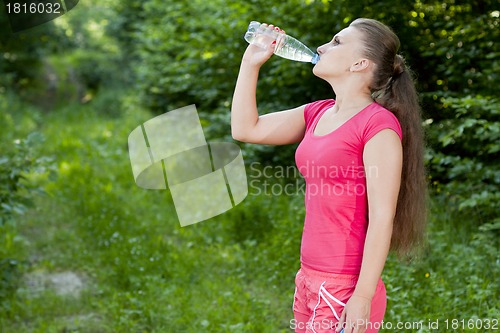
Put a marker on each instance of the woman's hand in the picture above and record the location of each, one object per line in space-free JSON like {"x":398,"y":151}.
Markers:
{"x":257,"y":56}
{"x":356,"y":315}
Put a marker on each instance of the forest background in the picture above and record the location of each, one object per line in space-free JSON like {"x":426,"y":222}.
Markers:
{"x":83,"y":249}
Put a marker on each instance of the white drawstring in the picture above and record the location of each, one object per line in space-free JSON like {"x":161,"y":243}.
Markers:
{"x":314,"y":311}
{"x":321,"y":294}
{"x":332,"y":297}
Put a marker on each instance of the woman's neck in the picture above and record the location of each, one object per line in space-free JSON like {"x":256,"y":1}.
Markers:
{"x":351,"y":95}
{"x":351,"y":102}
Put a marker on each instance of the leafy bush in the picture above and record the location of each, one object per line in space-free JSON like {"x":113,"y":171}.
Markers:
{"x":22,"y":171}
{"x":16,"y":164}
{"x":463,"y":159}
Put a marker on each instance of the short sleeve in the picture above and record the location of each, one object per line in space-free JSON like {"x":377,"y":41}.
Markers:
{"x":308,"y":114}
{"x":383,"y":119}
{"x":311,"y":110}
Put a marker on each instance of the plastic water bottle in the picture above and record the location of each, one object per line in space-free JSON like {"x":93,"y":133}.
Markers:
{"x":286,"y":46}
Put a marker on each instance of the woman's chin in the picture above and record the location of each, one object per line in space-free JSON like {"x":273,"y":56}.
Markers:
{"x":316,"y":71}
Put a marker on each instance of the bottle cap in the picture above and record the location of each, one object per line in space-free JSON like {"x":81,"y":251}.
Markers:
{"x":315,"y":59}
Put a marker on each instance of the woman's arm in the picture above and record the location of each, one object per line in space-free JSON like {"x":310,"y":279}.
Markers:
{"x":383,"y":158}
{"x":276,"y":128}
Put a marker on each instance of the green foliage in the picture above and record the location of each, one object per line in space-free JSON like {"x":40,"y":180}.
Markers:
{"x":95,"y":56}
{"x":63,"y":59}
{"x":463,"y":158}
{"x":209,"y":50}
{"x":22,"y":53}
{"x":20,"y":167}
{"x":10,"y":280}
{"x":12,"y":170}
{"x":22,"y":171}
{"x":456,"y":50}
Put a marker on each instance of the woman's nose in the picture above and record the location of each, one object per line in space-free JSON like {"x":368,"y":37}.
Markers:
{"x":320,"y":49}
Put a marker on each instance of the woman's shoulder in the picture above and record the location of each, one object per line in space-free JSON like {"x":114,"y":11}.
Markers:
{"x":320,"y":104}
{"x":312,"y":109}
{"x":380,"y":118}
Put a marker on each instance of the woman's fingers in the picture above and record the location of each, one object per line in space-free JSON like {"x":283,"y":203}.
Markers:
{"x":272,"y":27}
{"x":275,"y":40}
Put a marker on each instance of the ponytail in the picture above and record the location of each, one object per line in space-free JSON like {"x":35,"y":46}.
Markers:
{"x":394,"y":89}
{"x":401,"y":99}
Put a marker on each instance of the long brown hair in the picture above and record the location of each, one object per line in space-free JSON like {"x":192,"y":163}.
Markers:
{"x":393,"y":87}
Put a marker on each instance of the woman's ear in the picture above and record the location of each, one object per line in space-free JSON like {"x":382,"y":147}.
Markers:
{"x":360,"y":65}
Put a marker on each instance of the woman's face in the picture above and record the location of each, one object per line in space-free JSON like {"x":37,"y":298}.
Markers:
{"x":338,"y":55}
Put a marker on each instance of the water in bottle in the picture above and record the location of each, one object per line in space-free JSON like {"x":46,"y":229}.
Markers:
{"x":286,"y":46}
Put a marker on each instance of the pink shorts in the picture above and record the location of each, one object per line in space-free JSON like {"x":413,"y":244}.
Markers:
{"x":320,"y":298}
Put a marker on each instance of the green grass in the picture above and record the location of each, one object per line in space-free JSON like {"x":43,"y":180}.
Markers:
{"x":232,"y":273}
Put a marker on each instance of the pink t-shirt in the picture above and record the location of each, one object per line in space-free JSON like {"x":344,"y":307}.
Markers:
{"x":335,"y":198}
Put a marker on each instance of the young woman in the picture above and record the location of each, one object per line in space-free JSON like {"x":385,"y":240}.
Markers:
{"x":361,"y":155}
